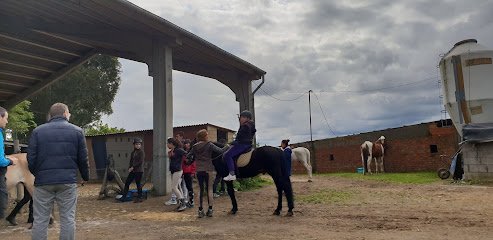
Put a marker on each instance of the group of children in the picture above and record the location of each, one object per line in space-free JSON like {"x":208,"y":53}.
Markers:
{"x":187,"y":160}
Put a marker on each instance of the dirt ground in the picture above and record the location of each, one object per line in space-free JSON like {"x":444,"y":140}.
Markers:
{"x":362,"y":209}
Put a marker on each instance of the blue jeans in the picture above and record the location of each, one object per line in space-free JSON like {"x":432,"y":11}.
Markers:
{"x":44,"y":196}
{"x":235,"y":151}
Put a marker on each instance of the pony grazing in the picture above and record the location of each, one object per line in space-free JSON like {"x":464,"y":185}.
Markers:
{"x":373,"y":151}
{"x":265,"y":159}
{"x":302,"y":155}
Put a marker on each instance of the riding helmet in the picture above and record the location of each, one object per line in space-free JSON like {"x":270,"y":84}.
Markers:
{"x":137,"y":140}
{"x":246,"y":114}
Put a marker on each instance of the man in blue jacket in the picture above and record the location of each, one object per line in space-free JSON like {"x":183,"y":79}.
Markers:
{"x":57,"y":150}
{"x":4,"y":162}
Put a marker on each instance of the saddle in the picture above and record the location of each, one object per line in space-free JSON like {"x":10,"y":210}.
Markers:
{"x":244,"y":158}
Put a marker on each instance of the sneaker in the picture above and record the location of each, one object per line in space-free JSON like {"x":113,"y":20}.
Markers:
{"x":201,"y":214}
{"x":190,"y":204}
{"x":209,"y":212}
{"x":181,"y":207}
{"x":171,"y":202}
{"x":216,"y":195}
{"x":230,"y":177}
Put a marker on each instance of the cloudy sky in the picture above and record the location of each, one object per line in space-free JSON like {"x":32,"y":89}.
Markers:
{"x":371,"y":64}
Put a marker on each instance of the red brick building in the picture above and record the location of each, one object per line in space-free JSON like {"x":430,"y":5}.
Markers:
{"x":407,"y":149}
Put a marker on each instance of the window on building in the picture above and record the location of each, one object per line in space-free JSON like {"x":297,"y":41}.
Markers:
{"x":121,"y":139}
{"x":116,"y":139}
{"x":433,"y":148}
{"x":128,"y":140}
{"x":118,"y":154}
{"x":126,"y":154}
{"x":331,"y":157}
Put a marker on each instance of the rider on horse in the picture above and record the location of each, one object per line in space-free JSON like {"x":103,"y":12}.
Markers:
{"x":242,"y":143}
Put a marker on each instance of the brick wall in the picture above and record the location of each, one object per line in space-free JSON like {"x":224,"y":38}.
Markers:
{"x":407,"y":149}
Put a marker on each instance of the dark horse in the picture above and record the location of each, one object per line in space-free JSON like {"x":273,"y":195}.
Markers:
{"x":265,"y":159}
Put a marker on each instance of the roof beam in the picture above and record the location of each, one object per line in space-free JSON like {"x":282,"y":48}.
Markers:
{"x":23,"y":65}
{"x":26,"y":76}
{"x":30,"y":55}
{"x":49,"y":80}
{"x":32,"y":43}
{"x":13,"y":84}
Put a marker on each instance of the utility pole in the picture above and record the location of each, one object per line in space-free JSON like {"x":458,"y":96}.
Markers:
{"x":310,"y":109}
{"x":312,"y":146}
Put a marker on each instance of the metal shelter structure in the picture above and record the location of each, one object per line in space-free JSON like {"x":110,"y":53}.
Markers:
{"x":43,"y":40}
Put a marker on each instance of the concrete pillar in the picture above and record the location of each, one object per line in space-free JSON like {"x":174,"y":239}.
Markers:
{"x":161,"y":69}
{"x":244,"y":95}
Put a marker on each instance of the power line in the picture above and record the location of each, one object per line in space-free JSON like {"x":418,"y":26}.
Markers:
{"x":325,"y":117}
{"x":378,"y":89}
{"x":284,"y":100}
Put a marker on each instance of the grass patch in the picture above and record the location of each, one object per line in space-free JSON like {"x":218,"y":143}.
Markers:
{"x":411,"y":178}
{"x":247,"y":184}
{"x":326,"y":196}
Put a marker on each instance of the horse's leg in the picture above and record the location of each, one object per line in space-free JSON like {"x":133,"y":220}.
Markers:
{"x":279,"y":187}
{"x":368,"y":163}
{"x":288,"y":191}
{"x":308,"y":168}
{"x":363,"y":160}
{"x":18,"y":207}
{"x":231,"y":193}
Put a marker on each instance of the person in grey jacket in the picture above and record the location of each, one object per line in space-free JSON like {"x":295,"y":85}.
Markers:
{"x":201,"y":154}
{"x":57,"y":151}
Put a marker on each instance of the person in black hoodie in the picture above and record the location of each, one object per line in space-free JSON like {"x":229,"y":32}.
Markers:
{"x":176,"y":155}
{"x":242,"y":143}
{"x":135,"y":170}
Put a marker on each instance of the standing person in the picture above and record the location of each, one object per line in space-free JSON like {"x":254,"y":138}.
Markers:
{"x":57,"y":149}
{"x":218,"y":179}
{"x":188,"y":174}
{"x":201,"y":153}
{"x":4,"y":162}
{"x":287,"y":156}
{"x":176,"y":155}
{"x":135,"y":170}
{"x":243,"y":142}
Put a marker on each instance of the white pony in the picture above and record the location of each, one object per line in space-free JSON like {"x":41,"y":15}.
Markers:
{"x":302,"y":155}
{"x":372,"y":151}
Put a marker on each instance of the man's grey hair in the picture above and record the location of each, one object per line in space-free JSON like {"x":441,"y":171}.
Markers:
{"x":57,"y":110}
{"x":2,"y":112}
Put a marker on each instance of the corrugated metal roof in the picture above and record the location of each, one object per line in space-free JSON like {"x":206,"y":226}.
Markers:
{"x":42,"y":40}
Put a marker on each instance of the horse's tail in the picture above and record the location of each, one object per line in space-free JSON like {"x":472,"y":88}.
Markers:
{"x":308,"y":159}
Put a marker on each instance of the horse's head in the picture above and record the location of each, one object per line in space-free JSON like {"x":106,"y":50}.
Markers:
{"x":381,"y":139}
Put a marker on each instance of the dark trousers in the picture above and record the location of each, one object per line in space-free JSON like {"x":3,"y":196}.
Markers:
{"x":205,"y":182}
{"x":137,"y":176}
{"x":187,"y":177}
{"x":216,"y":182}
{"x":4,"y":194}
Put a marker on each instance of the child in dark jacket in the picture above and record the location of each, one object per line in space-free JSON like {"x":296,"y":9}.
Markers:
{"x":176,"y":156}
{"x":242,"y":143}
{"x":135,"y":170}
{"x":188,"y":173}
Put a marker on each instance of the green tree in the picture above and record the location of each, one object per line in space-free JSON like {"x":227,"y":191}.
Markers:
{"x":88,"y":92}
{"x":21,"y":120}
{"x":100,"y":128}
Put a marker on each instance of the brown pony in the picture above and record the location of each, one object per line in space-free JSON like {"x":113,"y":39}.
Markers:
{"x":370,"y":151}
